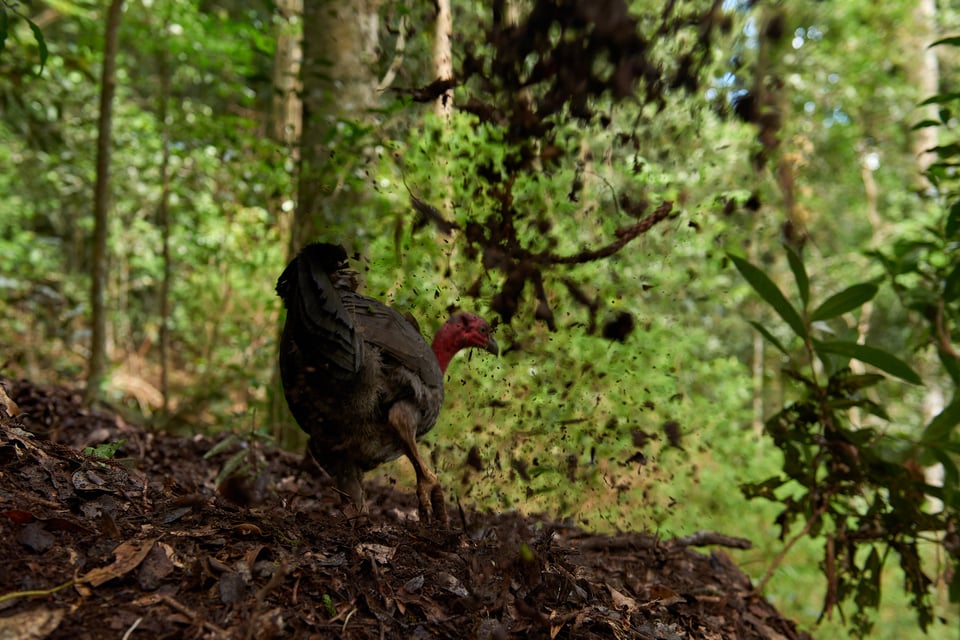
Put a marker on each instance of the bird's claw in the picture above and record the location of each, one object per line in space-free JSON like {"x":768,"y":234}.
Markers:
{"x":432,"y":507}
{"x":439,"y":506}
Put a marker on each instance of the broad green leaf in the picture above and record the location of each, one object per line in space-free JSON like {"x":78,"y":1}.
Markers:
{"x":943,"y":423}
{"x":769,"y":336}
{"x":923,"y":124}
{"x":950,"y":365}
{"x":847,"y":300}
{"x":872,"y":356}
{"x":41,"y":44}
{"x":953,"y":221}
{"x":856,"y":381}
{"x":941,"y":98}
{"x":953,"y":41}
{"x":799,"y":274}
{"x":767,"y":290}
{"x":224,"y":444}
{"x":108,"y":450}
{"x":951,"y":285}
{"x":954,"y":589}
{"x":234,"y":463}
{"x":951,"y":475}
{"x":4,"y":25}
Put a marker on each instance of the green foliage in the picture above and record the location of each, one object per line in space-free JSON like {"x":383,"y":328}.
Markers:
{"x":646,"y":428}
{"x":853,"y":483}
{"x":107,"y":451}
{"x":9,"y":8}
{"x":228,"y":184}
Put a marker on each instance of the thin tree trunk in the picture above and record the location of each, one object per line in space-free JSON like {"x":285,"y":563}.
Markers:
{"x":442,"y":58}
{"x":98,"y":317}
{"x":287,"y":108}
{"x":287,"y":127}
{"x":925,"y":76}
{"x":339,"y":86}
{"x":163,"y":211}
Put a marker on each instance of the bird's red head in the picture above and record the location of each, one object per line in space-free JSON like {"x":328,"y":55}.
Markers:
{"x":462,"y":331}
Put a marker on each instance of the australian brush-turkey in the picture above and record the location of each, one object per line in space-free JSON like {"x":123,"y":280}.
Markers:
{"x":358,"y":376}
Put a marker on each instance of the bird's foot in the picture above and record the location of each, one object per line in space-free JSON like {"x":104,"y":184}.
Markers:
{"x":432,"y":507}
{"x":439,"y":505}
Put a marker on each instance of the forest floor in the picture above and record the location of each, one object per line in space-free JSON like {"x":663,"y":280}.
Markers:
{"x":146,"y":545}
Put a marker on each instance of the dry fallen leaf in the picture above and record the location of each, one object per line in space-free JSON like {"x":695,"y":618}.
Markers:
{"x":35,"y":624}
{"x":381,"y":553}
{"x":128,"y":555}
{"x":620,"y":600}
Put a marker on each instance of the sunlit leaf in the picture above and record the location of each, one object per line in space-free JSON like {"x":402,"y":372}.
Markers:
{"x":847,"y":300}
{"x":870,"y":355}
{"x":767,"y":290}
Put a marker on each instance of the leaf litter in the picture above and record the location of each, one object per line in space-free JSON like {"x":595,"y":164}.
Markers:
{"x":150,"y":545}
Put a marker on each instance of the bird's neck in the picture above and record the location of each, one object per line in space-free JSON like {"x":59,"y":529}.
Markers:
{"x":445,"y":346}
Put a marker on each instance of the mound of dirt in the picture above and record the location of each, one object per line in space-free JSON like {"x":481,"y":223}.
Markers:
{"x":154,"y":543}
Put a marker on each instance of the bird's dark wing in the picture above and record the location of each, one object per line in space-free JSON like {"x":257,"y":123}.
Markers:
{"x":317,"y":320}
{"x":395,"y":336}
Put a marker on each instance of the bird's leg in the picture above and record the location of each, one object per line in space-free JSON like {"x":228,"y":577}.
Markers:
{"x":403,"y":418}
{"x":345,"y":472}
{"x":349,"y":482}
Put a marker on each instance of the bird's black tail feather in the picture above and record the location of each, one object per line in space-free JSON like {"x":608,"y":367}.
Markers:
{"x":321,"y":326}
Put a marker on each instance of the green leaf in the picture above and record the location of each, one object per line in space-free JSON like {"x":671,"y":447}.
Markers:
{"x":767,"y":290}
{"x":4,"y":26}
{"x":953,"y":221}
{"x":799,"y":274}
{"x":951,"y":285}
{"x":41,"y":44}
{"x":847,"y":300}
{"x":953,"y":41}
{"x":872,"y":356}
{"x":941,"y":98}
{"x":223,"y":445}
{"x":950,"y":365}
{"x":951,"y":475}
{"x":234,"y":463}
{"x":923,"y":124}
{"x":769,"y":336}
{"x":943,"y":423}
{"x":868,"y":589}
{"x":954,"y":589}
{"x":106,"y":451}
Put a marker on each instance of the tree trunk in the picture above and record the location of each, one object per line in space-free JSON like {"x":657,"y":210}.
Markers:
{"x":287,"y":127}
{"x":338,"y":86}
{"x":98,"y":317}
{"x":339,"y":46}
{"x":287,"y":108}
{"x":163,"y":215}
{"x":924,"y":74}
{"x":442,"y":59}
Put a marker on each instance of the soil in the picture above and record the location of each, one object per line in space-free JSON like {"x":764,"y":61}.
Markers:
{"x":148,"y":544}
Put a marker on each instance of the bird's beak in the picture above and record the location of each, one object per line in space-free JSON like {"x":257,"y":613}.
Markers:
{"x":492,"y":346}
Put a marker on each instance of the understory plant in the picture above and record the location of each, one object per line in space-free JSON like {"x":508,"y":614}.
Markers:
{"x":852,"y":478}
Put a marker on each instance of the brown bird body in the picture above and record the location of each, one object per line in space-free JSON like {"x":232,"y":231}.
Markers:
{"x":358,"y":376}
